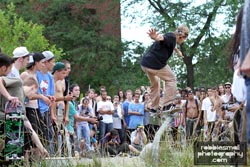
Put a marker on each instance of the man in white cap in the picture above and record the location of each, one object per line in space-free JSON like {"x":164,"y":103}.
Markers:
{"x":49,"y":60}
{"x":21,"y":58}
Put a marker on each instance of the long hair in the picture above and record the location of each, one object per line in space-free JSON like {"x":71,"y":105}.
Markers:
{"x":71,"y":88}
{"x":235,"y":42}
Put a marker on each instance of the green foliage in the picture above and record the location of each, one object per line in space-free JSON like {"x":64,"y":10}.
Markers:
{"x":17,"y":32}
{"x":96,"y":57}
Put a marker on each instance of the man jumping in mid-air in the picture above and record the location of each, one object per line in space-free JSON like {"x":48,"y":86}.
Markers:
{"x":154,"y":64}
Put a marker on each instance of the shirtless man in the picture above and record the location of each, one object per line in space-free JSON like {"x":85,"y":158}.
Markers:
{"x":61,"y":116}
{"x":192,"y":114}
{"x":31,"y":104}
{"x":59,"y":72}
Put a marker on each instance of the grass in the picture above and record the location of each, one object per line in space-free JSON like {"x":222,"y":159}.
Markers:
{"x":171,"y":154}
{"x":178,"y":155}
{"x":99,"y":162}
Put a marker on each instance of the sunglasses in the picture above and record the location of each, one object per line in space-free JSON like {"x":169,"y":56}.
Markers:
{"x":227,"y":87}
{"x":108,"y":99}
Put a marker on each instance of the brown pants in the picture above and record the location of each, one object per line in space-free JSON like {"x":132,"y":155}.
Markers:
{"x":166,"y":75}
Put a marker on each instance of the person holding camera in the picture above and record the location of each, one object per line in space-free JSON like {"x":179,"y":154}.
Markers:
{"x":229,"y":105}
{"x":112,"y":143}
{"x":138,"y":140}
{"x":83,"y":130}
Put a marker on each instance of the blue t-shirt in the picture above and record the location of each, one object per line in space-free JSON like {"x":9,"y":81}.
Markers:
{"x":46,"y":87}
{"x":125,"y":105}
{"x":72,"y":113}
{"x":136,"y":120}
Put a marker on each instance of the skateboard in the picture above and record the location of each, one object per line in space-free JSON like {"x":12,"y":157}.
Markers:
{"x":14,"y":132}
{"x":166,"y":113}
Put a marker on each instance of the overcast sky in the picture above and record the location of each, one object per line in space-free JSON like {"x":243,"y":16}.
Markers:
{"x":135,"y":31}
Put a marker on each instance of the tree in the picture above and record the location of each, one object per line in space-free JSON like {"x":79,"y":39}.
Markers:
{"x":204,"y":52}
{"x":78,"y":28}
{"x":17,"y":32}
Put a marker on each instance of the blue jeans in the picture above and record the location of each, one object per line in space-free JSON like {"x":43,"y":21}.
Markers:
{"x":84,"y":132}
{"x":190,"y":123}
{"x":247,"y":82}
{"x":104,"y":128}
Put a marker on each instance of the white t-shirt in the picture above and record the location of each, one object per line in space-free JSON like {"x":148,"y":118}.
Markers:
{"x":225,"y":98}
{"x":105,"y":106}
{"x":14,"y":72}
{"x":117,"y":118}
{"x":207,"y":107}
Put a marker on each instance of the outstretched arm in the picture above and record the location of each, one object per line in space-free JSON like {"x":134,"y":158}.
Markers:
{"x":155,"y":35}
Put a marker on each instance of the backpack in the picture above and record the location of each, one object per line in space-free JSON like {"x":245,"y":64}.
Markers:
{"x":196,"y":103}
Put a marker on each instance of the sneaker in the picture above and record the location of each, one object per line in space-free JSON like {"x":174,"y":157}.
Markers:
{"x":152,"y":110}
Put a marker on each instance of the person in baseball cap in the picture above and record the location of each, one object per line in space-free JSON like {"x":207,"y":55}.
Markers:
{"x":21,"y":59}
{"x":20,"y":52}
{"x":58,"y":67}
{"x":35,"y":57}
{"x":227,"y":83}
{"x":48,"y":55}
{"x":49,"y":60}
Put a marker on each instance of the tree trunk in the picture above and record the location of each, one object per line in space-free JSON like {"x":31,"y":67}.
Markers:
{"x":190,"y":71}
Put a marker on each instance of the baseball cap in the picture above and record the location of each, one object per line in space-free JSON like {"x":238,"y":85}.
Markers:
{"x":20,"y":52}
{"x":227,"y":83}
{"x":35,"y":57}
{"x":38,"y":57}
{"x":139,"y":126}
{"x":48,"y":55}
{"x":190,"y":92}
{"x":58,"y":66}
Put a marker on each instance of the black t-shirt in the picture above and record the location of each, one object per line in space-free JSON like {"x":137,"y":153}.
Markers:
{"x":159,"y":52}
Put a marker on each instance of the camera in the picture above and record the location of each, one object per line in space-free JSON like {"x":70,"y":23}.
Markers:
{"x":100,"y":118}
{"x":226,"y":106}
